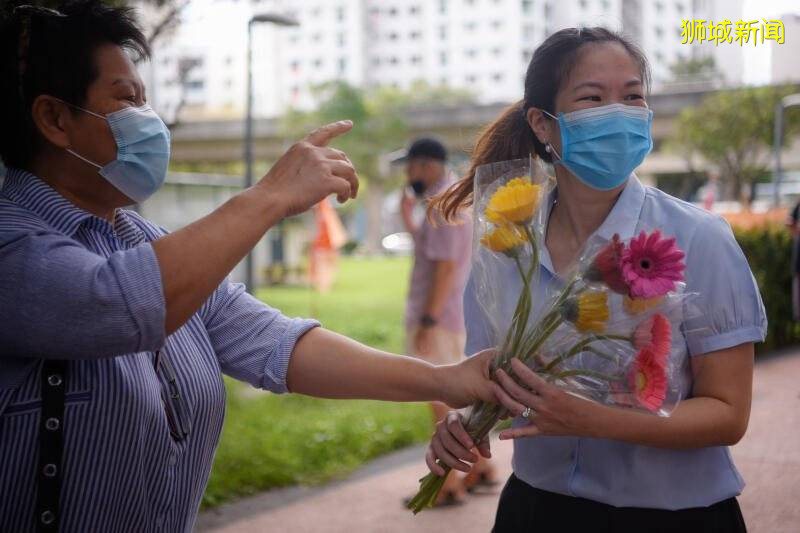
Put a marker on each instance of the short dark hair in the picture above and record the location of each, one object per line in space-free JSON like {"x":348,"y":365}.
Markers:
{"x":427,"y":148}
{"x":46,"y":51}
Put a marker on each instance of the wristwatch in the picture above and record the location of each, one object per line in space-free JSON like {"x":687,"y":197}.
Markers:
{"x":427,"y":321}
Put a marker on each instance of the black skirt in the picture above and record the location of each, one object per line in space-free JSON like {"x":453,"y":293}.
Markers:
{"x":523,"y":508}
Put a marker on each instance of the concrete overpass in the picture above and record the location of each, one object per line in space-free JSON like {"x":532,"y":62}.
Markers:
{"x":458,"y":126}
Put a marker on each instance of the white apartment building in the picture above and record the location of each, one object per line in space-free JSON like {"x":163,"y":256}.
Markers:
{"x":480,"y":45}
{"x":784,"y":55}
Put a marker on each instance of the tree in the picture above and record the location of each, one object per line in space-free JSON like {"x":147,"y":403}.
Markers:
{"x":379,"y":127}
{"x":734,"y":131}
{"x":695,"y":69}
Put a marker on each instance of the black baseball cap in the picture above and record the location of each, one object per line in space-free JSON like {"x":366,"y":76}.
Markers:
{"x":427,"y":147}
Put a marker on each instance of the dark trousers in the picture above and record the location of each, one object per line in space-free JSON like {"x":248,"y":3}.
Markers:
{"x":523,"y":508}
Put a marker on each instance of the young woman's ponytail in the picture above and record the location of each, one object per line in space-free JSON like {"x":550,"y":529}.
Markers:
{"x":508,"y":137}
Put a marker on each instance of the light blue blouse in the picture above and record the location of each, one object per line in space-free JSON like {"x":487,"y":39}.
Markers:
{"x":628,"y":475}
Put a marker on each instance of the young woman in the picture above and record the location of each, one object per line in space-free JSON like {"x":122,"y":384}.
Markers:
{"x":579,"y":465}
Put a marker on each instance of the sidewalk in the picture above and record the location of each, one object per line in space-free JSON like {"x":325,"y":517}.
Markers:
{"x":768,"y":458}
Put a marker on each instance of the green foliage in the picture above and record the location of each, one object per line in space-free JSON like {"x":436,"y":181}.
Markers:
{"x":272,"y":441}
{"x":768,"y":250}
{"x":379,"y":125}
{"x":734,"y":131}
{"x":695,"y":69}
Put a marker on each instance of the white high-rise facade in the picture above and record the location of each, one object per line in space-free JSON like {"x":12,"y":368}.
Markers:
{"x":480,"y":45}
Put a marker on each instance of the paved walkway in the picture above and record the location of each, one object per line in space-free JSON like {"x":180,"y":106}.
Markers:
{"x":369,"y":501}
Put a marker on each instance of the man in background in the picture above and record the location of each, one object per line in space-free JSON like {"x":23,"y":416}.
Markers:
{"x":434,"y":313}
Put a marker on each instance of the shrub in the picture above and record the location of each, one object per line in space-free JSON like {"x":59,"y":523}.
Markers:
{"x":769,"y":249}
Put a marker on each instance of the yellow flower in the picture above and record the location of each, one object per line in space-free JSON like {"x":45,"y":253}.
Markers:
{"x":634,"y":306}
{"x":504,"y":239}
{"x":588,"y":311}
{"x":514,"y":202}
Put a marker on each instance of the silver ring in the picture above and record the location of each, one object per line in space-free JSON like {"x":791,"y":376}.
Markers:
{"x":527,"y":412}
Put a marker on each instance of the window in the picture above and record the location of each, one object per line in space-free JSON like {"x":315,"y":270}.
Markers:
{"x":414,"y":35}
{"x":228,"y":83}
{"x":443,"y":6}
{"x":392,"y":12}
{"x":393,"y":36}
{"x":471,"y":78}
{"x":295,"y":65}
{"x":376,"y":61}
{"x":342,"y":64}
{"x":340,"y":13}
{"x":584,"y":4}
{"x":527,"y":6}
{"x":497,"y":24}
{"x":679,"y":8}
{"x":341,"y":39}
{"x":318,"y":63}
{"x":317,"y":37}
{"x":497,"y":52}
{"x":393,"y":60}
{"x":470,"y":26}
{"x":659,"y":32}
{"x":229,"y":60}
{"x":497,"y":77}
{"x":470,"y":52}
{"x":527,"y":55}
{"x":416,"y":59}
{"x":316,"y":12}
{"x":443,"y":32}
{"x":413,"y":10}
{"x":659,"y":7}
{"x":442,"y":58}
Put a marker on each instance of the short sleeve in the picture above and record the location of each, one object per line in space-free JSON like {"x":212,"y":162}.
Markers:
{"x":727,"y":310}
{"x":253,"y":342}
{"x":475,"y":322}
{"x":446,"y":242}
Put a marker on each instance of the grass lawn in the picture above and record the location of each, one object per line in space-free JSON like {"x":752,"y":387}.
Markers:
{"x":277,"y":440}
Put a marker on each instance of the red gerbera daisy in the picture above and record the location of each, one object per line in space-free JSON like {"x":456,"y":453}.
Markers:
{"x":654,"y":333}
{"x":606,"y":266}
{"x":648,"y":380}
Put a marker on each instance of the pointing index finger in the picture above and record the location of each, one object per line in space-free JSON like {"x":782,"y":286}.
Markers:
{"x":322,"y":136}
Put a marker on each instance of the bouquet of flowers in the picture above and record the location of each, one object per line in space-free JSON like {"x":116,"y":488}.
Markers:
{"x":603,"y":330}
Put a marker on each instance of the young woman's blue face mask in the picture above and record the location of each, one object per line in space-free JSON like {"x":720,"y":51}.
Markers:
{"x":601,"y":146}
{"x":143,"y":148}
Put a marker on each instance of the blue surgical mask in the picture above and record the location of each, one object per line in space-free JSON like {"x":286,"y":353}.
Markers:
{"x":601,"y":146}
{"x":142,"y":151}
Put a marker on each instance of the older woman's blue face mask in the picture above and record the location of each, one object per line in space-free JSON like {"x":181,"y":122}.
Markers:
{"x":114,"y":133}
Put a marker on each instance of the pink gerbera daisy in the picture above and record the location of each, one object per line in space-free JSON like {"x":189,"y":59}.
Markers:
{"x":654,"y":333}
{"x":648,"y":380}
{"x":651,"y":265}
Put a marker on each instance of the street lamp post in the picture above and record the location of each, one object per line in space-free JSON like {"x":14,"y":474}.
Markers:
{"x":785,"y":102}
{"x":279,"y":20}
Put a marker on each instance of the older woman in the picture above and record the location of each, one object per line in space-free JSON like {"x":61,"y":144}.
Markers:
{"x":581,"y":466}
{"x":115,"y":335}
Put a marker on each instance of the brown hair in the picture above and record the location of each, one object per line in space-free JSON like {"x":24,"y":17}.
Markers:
{"x":510,"y":136}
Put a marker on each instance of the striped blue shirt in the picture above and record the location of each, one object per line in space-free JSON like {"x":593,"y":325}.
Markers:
{"x":73,"y":286}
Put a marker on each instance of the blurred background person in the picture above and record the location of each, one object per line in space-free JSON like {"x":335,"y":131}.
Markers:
{"x":434,"y":313}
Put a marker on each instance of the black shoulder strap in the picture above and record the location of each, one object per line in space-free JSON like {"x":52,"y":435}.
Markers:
{"x":51,"y":445}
